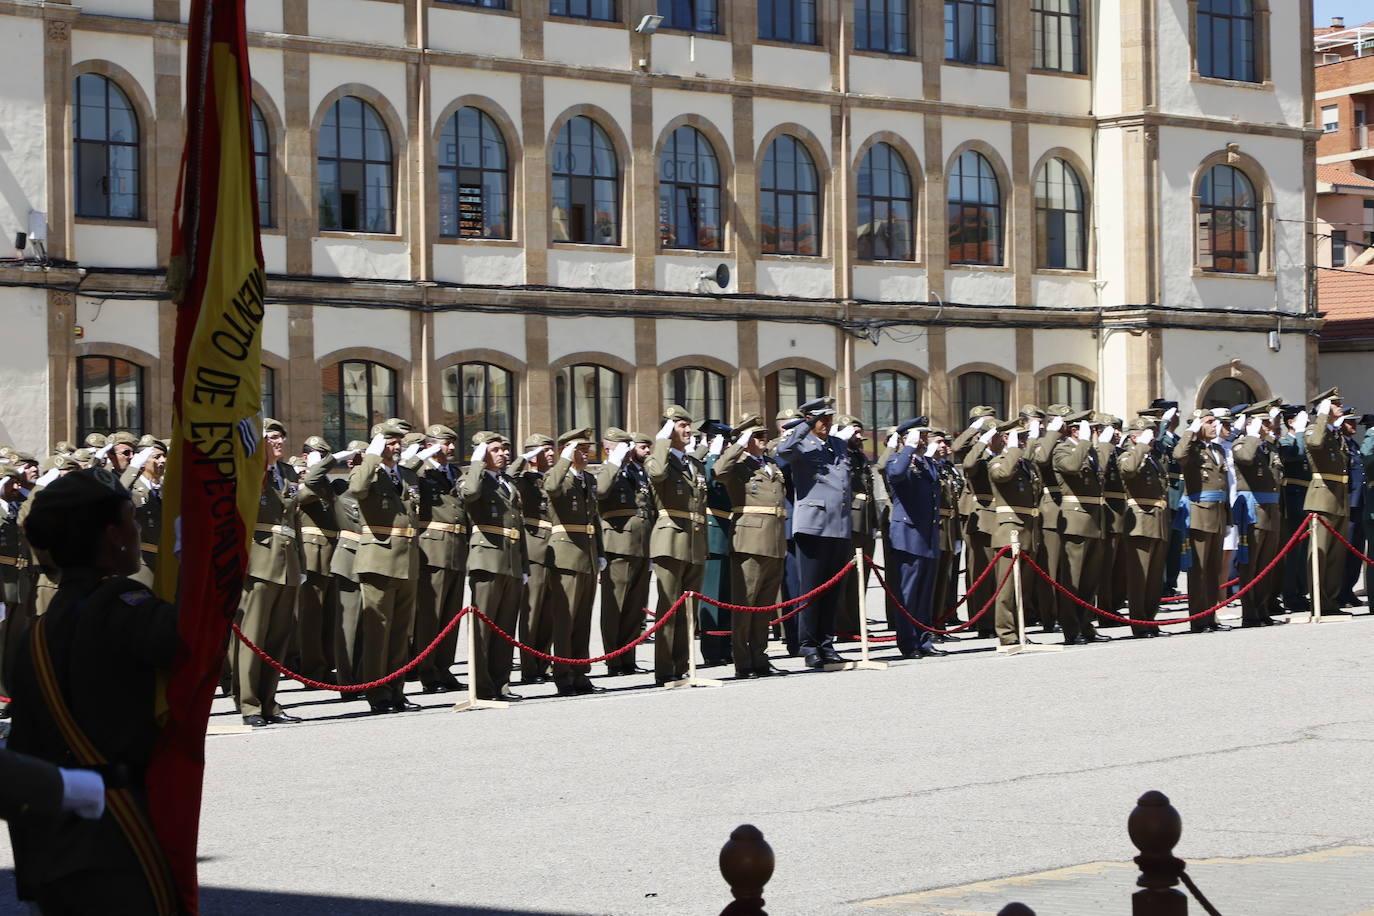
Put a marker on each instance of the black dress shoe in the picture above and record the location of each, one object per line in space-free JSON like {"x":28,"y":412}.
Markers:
{"x":435,"y":688}
{"x":770,"y":670}
{"x":282,"y":718}
{"x":614,"y":672}
{"x":533,"y":679}
{"x":910,"y":654}
{"x":1275,"y":621}
{"x":925,"y":652}
{"x":831,"y":657}
{"x":588,"y":687}
{"x":406,"y":706}
{"x":813,"y":660}
{"x":1093,"y":637}
{"x":745,"y":674}
{"x":567,"y":690}
{"x":256,"y":721}
{"x":509,"y":697}
{"x":1218,"y":627}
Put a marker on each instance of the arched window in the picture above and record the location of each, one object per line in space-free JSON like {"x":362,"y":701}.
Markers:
{"x":586,"y":185}
{"x":789,"y":199}
{"x":1227,"y":392}
{"x":788,"y":20}
{"x":474,"y":178}
{"x":269,"y":392}
{"x":1061,"y":238}
{"x":262,"y":167}
{"x":689,"y":192}
{"x":1226,"y":39}
{"x":882,"y":25}
{"x":355,"y":171}
{"x":885,"y":206}
{"x":1057,"y":35}
{"x":589,"y":395}
{"x":889,"y":397}
{"x":792,"y":388}
{"x":978,"y":389}
{"x":975,"y":211}
{"x":106,"y":155}
{"x":1064,"y":388}
{"x":971,"y":31}
{"x":701,"y":391}
{"x":1228,"y":229}
{"x":109,"y":396}
{"x":358,"y":394}
{"x":479,"y":396}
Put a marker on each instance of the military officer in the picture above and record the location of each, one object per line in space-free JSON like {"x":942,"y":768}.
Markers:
{"x":1203,"y":461}
{"x":822,"y":520}
{"x":975,"y":509}
{"x":913,"y":479}
{"x":758,"y":541}
{"x":1079,"y":466}
{"x":1354,"y":532}
{"x":1259,"y":470}
{"x":14,"y":563}
{"x":625,"y":509}
{"x":441,"y":522}
{"x":1328,"y":495}
{"x":536,"y":624}
{"x":267,"y":608}
{"x":1050,"y":555}
{"x":317,"y":600}
{"x":576,"y":557}
{"x":1297,"y":476}
{"x":143,"y":480}
{"x":387,"y":563}
{"x":343,"y":565}
{"x":790,"y":577}
{"x":715,"y":582}
{"x":497,"y":563}
{"x":951,"y":543}
{"x":849,"y":614}
{"x":1016,"y":506}
{"x":1145,"y":476}
{"x":1112,"y":578}
{"x":678,"y":543}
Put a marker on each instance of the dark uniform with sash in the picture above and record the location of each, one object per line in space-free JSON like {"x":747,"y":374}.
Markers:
{"x":14,"y":579}
{"x":625,"y":508}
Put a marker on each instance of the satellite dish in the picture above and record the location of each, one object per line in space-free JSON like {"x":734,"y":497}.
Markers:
{"x":723,"y":275}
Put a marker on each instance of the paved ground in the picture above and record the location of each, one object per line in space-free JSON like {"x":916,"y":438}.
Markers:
{"x":873,"y":787}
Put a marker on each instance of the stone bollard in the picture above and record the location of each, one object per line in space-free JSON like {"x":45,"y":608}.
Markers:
{"x":1155,"y":828}
{"x":1016,"y":909}
{"x":746,"y":863}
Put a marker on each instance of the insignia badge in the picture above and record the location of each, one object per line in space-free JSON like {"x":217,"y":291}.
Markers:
{"x":136,"y":597}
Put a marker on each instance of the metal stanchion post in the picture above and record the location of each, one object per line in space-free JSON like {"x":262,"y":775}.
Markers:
{"x":691,"y":680}
{"x":472,"y":702}
{"x":864,"y":661}
{"x":1315,"y":615}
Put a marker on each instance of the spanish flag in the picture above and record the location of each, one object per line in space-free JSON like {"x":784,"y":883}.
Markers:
{"x":214,"y":469}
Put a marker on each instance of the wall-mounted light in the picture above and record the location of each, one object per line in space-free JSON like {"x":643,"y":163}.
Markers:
{"x":649,"y":24}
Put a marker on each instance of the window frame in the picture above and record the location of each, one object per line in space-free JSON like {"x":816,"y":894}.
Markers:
{"x":614,"y":181}
{"x":108,"y":146}
{"x":141,"y":395}
{"x":953,"y":37}
{"x":1042,"y":216}
{"x":1207,"y":402}
{"x":692,"y":188}
{"x":262,"y":164}
{"x":456,"y":418}
{"x":1259,"y":209}
{"x":997,"y":209}
{"x":889,"y":199}
{"x":868,"y":398}
{"x":802,"y":381}
{"x":796,"y":22}
{"x":485,"y":122}
{"x":363,"y":212}
{"x":794,"y":195}
{"x":963,"y":404}
{"x":890,"y":10}
{"x":677,"y":382}
{"x":268,"y":380}
{"x":589,"y":16}
{"x":669,"y":10}
{"x":339,"y":433}
{"x":565,"y":399}
{"x":480,"y":4}
{"x":1259,"y":41}
{"x":1070,"y":379}
{"x":1041,"y":19}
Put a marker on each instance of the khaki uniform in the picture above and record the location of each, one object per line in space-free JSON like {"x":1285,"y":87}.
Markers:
{"x":15,"y":586}
{"x":343,"y":566}
{"x":317,"y":601}
{"x":1080,"y":471}
{"x":1145,"y":476}
{"x":1112,"y":580}
{"x":625,"y":508}
{"x":441,"y":526}
{"x":678,"y":548}
{"x":758,"y":547}
{"x":1329,"y":495}
{"x":1050,"y":555}
{"x":497,"y":564}
{"x":536,"y":624}
{"x":1259,"y":470}
{"x":979,"y":521}
{"x":1016,"y":506}
{"x":573,"y":543}
{"x":147,"y":500}
{"x":1209,"y":512}
{"x":947,"y":573}
{"x":387,"y":565}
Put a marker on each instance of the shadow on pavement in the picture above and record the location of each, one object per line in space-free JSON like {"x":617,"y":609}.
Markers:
{"x":224,"y":901}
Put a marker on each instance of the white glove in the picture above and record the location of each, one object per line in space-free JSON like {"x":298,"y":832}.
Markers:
{"x":431,"y":451}
{"x":103,"y":452}
{"x":913,"y":438}
{"x":1254,"y":427}
{"x":1169,"y":415}
{"x":312,"y":458}
{"x":568,"y":451}
{"x":981,"y":422}
{"x":1107,"y":435}
{"x":1195,"y":427}
{"x":410,"y":451}
{"x":479,"y":454}
{"x":1324,"y":408}
{"x":601,"y":564}
{"x":377,"y":445}
{"x":1085,"y":430}
{"x":1034,"y":428}
{"x":892,"y":441}
{"x":1146,"y":436}
{"x":1300,"y":421}
{"x":1274,"y":413}
{"x":986,"y":437}
{"x":617,"y":455}
{"x":83,"y":793}
{"x":1014,"y":439}
{"x":532,"y":453}
{"x":345,"y":455}
{"x":141,"y":457}
{"x":932,"y":448}
{"x":47,"y":478}
{"x":846,"y":432}
{"x":717,"y":445}
{"x":524,"y":578}
{"x":1055,"y":424}
{"x":666,"y":432}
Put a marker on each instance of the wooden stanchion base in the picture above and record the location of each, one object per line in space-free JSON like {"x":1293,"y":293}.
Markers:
{"x":1029,"y":647}
{"x":693,"y":681}
{"x":228,"y":729}
{"x":1322,"y":618}
{"x":480,"y":704}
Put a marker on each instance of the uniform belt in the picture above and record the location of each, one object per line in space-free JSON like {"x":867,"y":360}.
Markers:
{"x":1113,"y":495}
{"x":538,"y":522}
{"x":947,"y":513}
{"x":861,"y":496}
{"x":347,"y":535}
{"x":322,"y":532}
{"x":1208,"y":496}
{"x":16,"y":562}
{"x":1339,"y":478}
{"x":1025,"y":511}
{"x":284,"y":530}
{"x":386,"y":531}
{"x":1175,"y":476}
{"x":148,"y":548}
{"x":512,"y":533}
{"x":621,"y":513}
{"x":779,"y":511}
{"x":981,"y":497}
{"x":1295,"y":482}
{"x":1263,"y":497}
{"x":1084,"y":500}
{"x":1152,"y":503}
{"x":574,"y":529}
{"x":719,"y":513}
{"x":451,"y":527}
{"x":680,"y":513}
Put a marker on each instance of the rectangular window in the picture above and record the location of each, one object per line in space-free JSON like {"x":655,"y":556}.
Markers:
{"x":1226,"y":40}
{"x":485,"y":4}
{"x":788,"y":20}
{"x":971,"y":31}
{"x":1338,"y":239}
{"x":691,"y":15}
{"x":1331,"y":119}
{"x":882,"y":25}
{"x":584,"y":9}
{"x":1056,"y":35}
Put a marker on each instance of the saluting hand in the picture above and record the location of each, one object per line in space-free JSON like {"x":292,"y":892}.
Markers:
{"x":1254,"y":427}
{"x":1324,"y":408}
{"x":617,"y":455}
{"x":431,"y":451}
{"x":1300,"y":422}
{"x":345,"y":455}
{"x":377,"y":444}
{"x":479,"y":454}
{"x":1169,"y":415}
{"x":141,"y":457}
{"x":1195,"y":427}
{"x":1035,"y":427}
{"x":913,"y":438}
{"x":717,"y":445}
{"x":987,"y":435}
{"x":1146,"y":436}
{"x":568,"y":452}
{"x":1056,"y":424}
{"x":1107,"y":435}
{"x":1085,"y":430}
{"x":932,"y":448}
{"x":846,"y":432}
{"x":666,"y":431}
{"x":1014,"y":439}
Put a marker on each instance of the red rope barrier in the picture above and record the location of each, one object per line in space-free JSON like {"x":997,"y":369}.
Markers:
{"x":766,"y":609}
{"x":5,"y":700}
{"x":1298,"y":536}
{"x":772,"y":623}
{"x":1340,"y":537}
{"x":1179,"y":599}
{"x":584,"y":661}
{"x":963,"y":626}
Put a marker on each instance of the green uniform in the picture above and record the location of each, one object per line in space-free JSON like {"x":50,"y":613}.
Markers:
{"x":1209,"y":512}
{"x":441,"y":526}
{"x":1016,"y":492}
{"x":573,"y":542}
{"x":758,"y":547}
{"x":1050,"y":554}
{"x":678,"y":549}
{"x":716,"y":582}
{"x":497,"y":565}
{"x":536,"y":623}
{"x":979,"y":521}
{"x":625,"y":502}
{"x":317,"y":601}
{"x":147,"y":499}
{"x":1080,"y":471}
{"x":947,"y":573}
{"x":343,"y":566}
{"x":1259,"y":471}
{"x":1145,"y":476}
{"x":1111,"y":583}
{"x":1328,"y":495}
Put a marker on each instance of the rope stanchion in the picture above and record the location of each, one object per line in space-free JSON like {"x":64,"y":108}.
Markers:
{"x":691,"y":680}
{"x":772,"y":623}
{"x":864,"y":662}
{"x":616,"y":653}
{"x":1022,"y":644}
{"x":1314,"y":614}
{"x":897,"y":603}
{"x":769,"y":608}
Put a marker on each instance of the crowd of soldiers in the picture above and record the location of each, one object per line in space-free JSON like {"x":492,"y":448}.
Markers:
{"x":360,"y":557}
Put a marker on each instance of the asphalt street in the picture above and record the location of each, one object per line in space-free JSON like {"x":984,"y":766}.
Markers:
{"x":872,"y":786}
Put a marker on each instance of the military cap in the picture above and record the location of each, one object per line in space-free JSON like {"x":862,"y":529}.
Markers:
{"x":391,"y":429}
{"x":357,"y":445}
{"x":1333,"y":394}
{"x":1239,"y":410}
{"x":750,"y":424}
{"x":77,"y":489}
{"x":83,"y":455}
{"x":1262,"y":408}
{"x":1106,"y":419}
{"x":818,"y":407}
{"x":440,"y":431}
{"x":271,"y":425}
{"x":641,"y":437}
{"x":848,"y":419}
{"x":1292,"y":410}
{"x":909,"y":425}
{"x":941,"y":433}
{"x":1141,"y":423}
{"x":1030,"y":410}
{"x":153,"y":443}
{"x":581,"y":436}
{"x":486,"y":437}
{"x":1223,"y":414}
{"x":787,"y":413}
{"x":6,"y":452}
{"x":64,"y":447}
{"x":1151,"y":413}
{"x":1350,"y":416}
{"x":534,"y":440}
{"x":47,"y":464}
{"x":712,"y":428}
{"x":982,"y":410}
{"x":122,"y":437}
{"x":1163,"y":404}
{"x":296,"y":461}
{"x":94,"y":441}
{"x":23,"y":458}
{"x":10,"y":472}
{"x":403,"y":424}
{"x":1058,"y":410}
{"x":317,"y":444}
{"x":1006,"y":426}
{"x":1080,"y":417}
{"x":412,"y":438}
{"x":1201,"y":414}
{"x":616,"y":434}
{"x":676,"y":412}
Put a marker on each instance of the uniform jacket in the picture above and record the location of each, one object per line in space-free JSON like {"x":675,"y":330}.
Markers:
{"x":1329,"y":491}
{"x":441,"y":518}
{"x":1113,"y":491}
{"x":820,"y":482}
{"x":496,"y":537}
{"x":147,"y":501}
{"x":975,"y":502}
{"x":1015,"y":497}
{"x":30,"y":789}
{"x":1145,"y":475}
{"x":386,"y":541}
{"x":534,"y":507}
{"x":913,"y":483}
{"x":951,"y":486}
{"x":1258,"y":471}
{"x":275,"y":554}
{"x":864,"y":508}
{"x":572,"y":509}
{"x":350,"y":521}
{"x":718,"y":511}
{"x":319,"y":527}
{"x":625,"y":507}
{"x":1204,"y":476}
{"x":758,"y":491}
{"x":1367,"y":456}
{"x":1081,"y":474}
{"x":679,"y":484}
{"x":1042,"y":454}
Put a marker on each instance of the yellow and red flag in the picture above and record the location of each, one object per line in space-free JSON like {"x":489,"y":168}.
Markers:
{"x":215,"y":466}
